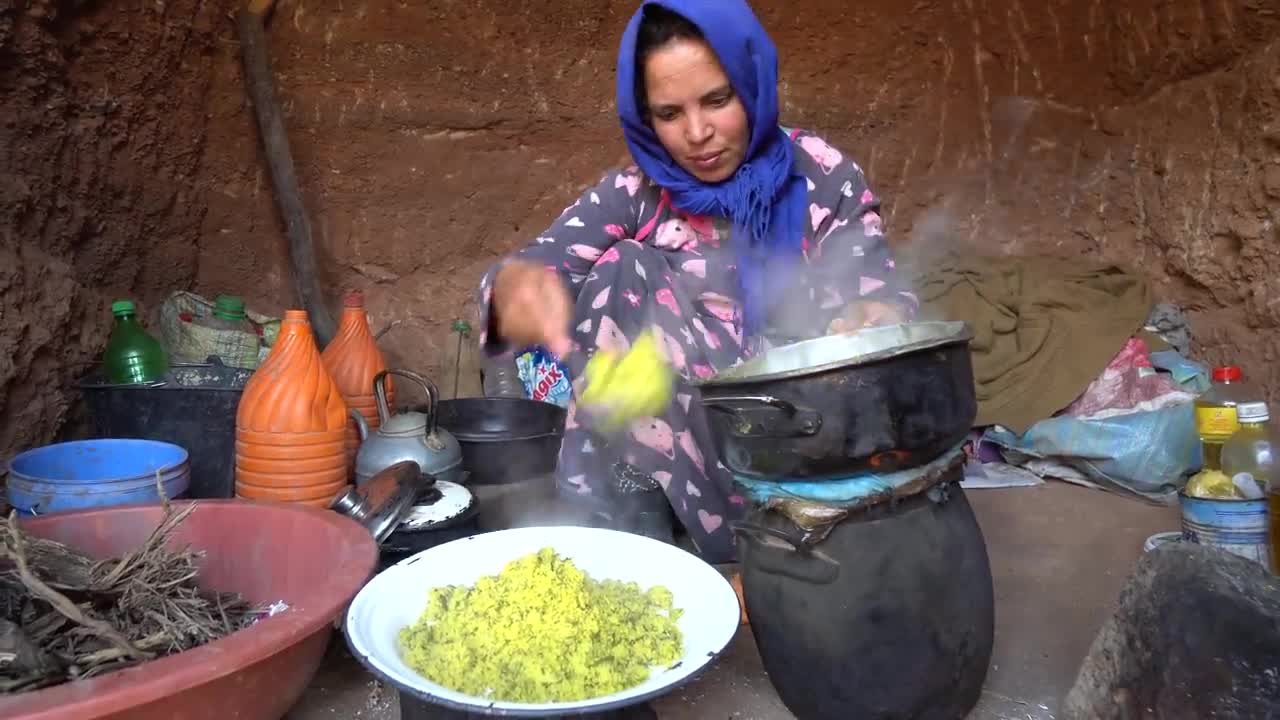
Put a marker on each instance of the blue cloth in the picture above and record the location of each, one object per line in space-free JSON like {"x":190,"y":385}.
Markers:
{"x":847,"y":492}
{"x":1191,"y":375}
{"x":766,"y":199}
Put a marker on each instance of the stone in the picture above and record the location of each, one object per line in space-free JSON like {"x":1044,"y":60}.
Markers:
{"x":1271,"y":180}
{"x":1196,"y":634}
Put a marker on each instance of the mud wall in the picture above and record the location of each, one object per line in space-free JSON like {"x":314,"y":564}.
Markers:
{"x":101,"y":140}
{"x":432,"y":137}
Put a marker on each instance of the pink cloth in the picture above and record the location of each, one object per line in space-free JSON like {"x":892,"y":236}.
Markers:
{"x":1128,"y":384}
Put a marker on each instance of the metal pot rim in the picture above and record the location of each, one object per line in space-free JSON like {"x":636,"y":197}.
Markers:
{"x":863,"y":347}
{"x":500,"y":436}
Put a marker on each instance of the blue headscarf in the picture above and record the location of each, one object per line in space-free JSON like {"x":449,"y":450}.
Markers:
{"x":765,"y":198}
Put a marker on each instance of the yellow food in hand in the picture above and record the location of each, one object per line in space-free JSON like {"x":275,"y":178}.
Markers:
{"x":621,"y":388}
{"x":542,"y":631}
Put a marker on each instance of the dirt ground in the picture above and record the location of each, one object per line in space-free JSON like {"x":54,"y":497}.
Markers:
{"x":1059,"y":556}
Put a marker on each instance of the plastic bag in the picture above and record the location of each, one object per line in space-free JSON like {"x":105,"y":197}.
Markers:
{"x":544,"y":377}
{"x":191,"y":342}
{"x":1147,"y":453}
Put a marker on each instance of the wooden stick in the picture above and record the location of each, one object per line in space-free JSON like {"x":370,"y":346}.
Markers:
{"x":164,"y":497}
{"x":260,"y":84}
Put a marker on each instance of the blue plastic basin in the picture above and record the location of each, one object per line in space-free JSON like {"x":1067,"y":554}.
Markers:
{"x":84,"y":474}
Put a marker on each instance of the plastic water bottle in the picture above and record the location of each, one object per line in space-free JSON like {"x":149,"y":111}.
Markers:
{"x":501,"y":378}
{"x":1252,"y":451}
{"x":132,"y":355}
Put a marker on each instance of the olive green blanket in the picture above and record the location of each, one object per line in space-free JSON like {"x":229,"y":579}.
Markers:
{"x":1044,"y":328}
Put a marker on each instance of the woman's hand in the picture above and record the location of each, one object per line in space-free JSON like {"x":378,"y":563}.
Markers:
{"x":861,"y":314}
{"x":532,"y":307}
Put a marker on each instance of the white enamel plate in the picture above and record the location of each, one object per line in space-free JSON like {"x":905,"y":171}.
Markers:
{"x":396,"y":598}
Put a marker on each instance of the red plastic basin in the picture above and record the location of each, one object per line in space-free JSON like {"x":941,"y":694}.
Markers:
{"x":313,"y":560}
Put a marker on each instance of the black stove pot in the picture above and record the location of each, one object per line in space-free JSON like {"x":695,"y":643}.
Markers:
{"x":882,"y":399}
{"x":891,"y":615}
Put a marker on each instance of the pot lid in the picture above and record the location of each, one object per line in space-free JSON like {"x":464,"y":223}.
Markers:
{"x":810,"y":357}
{"x":405,"y":424}
{"x":449,"y":501}
{"x":381,"y":503}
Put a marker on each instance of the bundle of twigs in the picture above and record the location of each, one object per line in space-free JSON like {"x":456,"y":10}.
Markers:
{"x":64,"y":616}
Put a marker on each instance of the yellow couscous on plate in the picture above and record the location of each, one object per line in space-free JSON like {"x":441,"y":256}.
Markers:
{"x":542,"y":631}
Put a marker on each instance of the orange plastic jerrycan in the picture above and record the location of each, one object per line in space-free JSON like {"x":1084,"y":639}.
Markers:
{"x":291,"y":424}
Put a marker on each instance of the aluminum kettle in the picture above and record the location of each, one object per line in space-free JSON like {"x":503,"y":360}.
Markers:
{"x":410,"y":435}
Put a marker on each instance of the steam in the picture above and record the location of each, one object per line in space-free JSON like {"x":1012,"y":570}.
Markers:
{"x":1007,"y":193}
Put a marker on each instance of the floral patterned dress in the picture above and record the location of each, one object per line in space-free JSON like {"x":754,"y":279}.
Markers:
{"x":631,"y":261}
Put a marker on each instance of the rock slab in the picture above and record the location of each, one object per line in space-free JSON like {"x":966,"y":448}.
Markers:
{"x":1196,"y":635}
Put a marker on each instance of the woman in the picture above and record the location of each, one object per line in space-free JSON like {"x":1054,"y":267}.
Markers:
{"x":728,"y":235}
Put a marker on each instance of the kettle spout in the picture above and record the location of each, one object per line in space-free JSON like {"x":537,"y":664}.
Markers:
{"x":362,"y":426}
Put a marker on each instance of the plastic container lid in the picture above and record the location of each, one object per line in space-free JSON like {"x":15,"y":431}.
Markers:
{"x":353,"y":299}
{"x":122,"y":307}
{"x":1163,"y":538}
{"x":1253,"y":412}
{"x":1227,"y":373}
{"x":229,"y":307}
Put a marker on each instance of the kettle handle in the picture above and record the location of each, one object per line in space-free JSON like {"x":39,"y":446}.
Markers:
{"x":362,"y":425}
{"x":380,"y":395}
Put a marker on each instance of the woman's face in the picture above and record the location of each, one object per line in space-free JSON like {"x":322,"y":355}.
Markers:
{"x":694,"y":110}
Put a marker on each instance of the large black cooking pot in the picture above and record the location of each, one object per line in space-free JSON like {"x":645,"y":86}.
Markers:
{"x":504,"y":439}
{"x":890,"y":616}
{"x":885,"y":399}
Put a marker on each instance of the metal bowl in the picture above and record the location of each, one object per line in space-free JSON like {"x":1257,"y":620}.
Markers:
{"x":397,"y":596}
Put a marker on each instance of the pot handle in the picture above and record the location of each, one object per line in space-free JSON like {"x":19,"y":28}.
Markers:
{"x":380,"y":395}
{"x":801,"y":422}
{"x":800,"y":563}
{"x":718,"y":403}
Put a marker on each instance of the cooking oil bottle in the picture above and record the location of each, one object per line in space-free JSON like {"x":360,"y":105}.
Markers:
{"x":1251,"y":458}
{"x":1216,"y":419}
{"x":1249,"y":452}
{"x":1216,"y":422}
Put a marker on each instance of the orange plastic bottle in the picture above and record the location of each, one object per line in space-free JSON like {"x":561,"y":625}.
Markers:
{"x":291,"y":424}
{"x":353,"y":359}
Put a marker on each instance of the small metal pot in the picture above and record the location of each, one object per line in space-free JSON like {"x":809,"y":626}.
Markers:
{"x":883,"y":399}
{"x":504,"y":440}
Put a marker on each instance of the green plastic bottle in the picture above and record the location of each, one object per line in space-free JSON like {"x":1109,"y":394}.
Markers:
{"x":239,"y":349}
{"x":228,"y":314}
{"x":132,"y":355}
